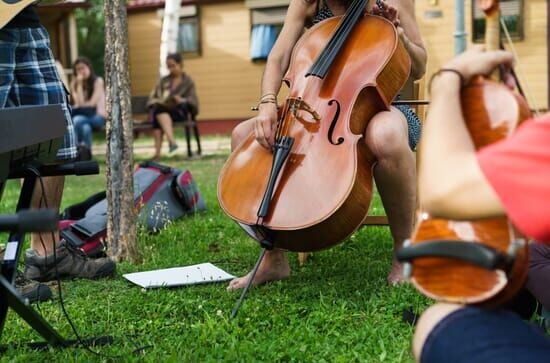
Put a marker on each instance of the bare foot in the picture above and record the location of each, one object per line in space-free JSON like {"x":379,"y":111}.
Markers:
{"x":273,"y":267}
{"x":396,"y":276}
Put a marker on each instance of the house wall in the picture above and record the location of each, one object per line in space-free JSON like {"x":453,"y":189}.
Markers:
{"x":227,"y":81}
{"x":532,"y":50}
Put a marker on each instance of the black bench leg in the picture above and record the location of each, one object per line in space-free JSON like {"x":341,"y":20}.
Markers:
{"x":198,"y":138}
{"x":188,"y":138}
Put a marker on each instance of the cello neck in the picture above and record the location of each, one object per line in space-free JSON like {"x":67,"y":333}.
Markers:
{"x":325,"y":59}
{"x":492,"y":28}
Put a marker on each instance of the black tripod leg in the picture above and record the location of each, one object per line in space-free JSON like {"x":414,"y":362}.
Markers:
{"x":248,"y":284}
{"x":15,"y":301}
{"x":8,"y":265}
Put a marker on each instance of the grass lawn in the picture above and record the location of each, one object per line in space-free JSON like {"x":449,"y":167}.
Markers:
{"x":337,"y":308}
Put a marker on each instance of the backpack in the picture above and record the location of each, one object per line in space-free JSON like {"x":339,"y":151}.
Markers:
{"x":161,"y":194}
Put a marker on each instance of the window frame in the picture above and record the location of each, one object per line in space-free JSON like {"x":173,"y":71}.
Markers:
{"x":197,"y":19}
{"x":516,"y":36}
{"x":252,"y":24}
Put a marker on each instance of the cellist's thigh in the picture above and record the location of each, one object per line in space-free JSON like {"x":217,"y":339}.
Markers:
{"x":387,"y":134}
{"x":241,"y":132}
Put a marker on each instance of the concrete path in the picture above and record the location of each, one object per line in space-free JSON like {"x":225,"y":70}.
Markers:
{"x":211,"y":145}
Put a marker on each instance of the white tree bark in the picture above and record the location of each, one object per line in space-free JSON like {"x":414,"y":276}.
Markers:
{"x":169,"y":35}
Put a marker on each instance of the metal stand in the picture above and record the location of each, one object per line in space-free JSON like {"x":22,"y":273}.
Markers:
{"x":281,"y":150}
{"x":9,"y":297}
{"x":248,"y":284}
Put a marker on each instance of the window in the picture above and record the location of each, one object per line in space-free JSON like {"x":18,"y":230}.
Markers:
{"x":189,"y":31}
{"x":266,"y":26}
{"x":510,"y":10}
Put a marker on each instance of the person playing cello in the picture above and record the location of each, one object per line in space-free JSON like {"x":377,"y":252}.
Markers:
{"x":391,"y":135}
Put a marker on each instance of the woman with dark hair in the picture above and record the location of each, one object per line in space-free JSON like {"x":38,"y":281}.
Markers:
{"x":173,"y":98}
{"x":88,"y":94}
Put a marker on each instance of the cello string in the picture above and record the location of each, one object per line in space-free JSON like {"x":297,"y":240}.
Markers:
{"x":532,"y":100}
{"x":338,"y":38}
{"x":345,"y":27}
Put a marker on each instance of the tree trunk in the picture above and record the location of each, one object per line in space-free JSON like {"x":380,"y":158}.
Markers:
{"x":169,"y":35}
{"x":121,"y":216}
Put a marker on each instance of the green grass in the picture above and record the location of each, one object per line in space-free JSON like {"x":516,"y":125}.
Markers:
{"x":337,"y":308}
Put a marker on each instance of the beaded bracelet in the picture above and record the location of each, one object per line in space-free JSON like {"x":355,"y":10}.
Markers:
{"x":462,"y":79}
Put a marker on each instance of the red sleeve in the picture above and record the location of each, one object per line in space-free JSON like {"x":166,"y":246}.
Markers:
{"x":518,"y":169}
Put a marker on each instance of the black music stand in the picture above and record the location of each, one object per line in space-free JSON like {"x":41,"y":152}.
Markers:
{"x":26,"y":147}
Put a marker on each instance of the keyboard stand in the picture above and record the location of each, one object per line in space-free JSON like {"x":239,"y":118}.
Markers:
{"x":9,"y":297}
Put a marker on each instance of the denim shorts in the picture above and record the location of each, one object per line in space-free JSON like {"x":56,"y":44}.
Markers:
{"x":475,"y":335}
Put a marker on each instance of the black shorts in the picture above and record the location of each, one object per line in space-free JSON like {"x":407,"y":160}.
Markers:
{"x":476,"y":335}
{"x":177,"y":114}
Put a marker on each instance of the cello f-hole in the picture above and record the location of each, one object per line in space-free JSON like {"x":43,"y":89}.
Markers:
{"x":333,"y":124}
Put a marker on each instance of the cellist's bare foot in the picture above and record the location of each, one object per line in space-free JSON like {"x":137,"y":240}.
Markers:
{"x":273,"y":267}
{"x":396,"y":276}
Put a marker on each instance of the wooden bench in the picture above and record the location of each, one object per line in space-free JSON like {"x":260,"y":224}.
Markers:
{"x":143,"y":125}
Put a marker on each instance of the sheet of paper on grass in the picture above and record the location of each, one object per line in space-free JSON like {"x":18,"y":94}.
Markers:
{"x":179,"y":276}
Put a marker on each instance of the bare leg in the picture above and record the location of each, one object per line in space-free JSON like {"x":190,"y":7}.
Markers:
{"x":275,"y":265}
{"x":157,"y":135}
{"x":429,"y":319}
{"x":43,"y":243}
{"x":395,"y":176}
{"x":165,"y":122}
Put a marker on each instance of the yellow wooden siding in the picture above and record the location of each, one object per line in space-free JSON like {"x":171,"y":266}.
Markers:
{"x":228,"y":83}
{"x":532,"y":50}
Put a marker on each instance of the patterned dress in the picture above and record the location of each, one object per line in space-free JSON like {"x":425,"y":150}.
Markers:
{"x":415,"y":127}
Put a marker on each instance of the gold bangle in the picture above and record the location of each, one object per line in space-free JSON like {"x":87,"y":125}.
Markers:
{"x":268,"y":94}
{"x":257,"y":107}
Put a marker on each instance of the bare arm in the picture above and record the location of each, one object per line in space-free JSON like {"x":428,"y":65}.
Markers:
{"x":277,"y":65}
{"x":279,"y":57}
{"x":410,"y":34}
{"x":451,"y":183}
{"x":99,"y":91}
{"x":77,"y":93}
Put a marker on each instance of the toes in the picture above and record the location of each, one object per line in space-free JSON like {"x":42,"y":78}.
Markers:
{"x":236,"y":284}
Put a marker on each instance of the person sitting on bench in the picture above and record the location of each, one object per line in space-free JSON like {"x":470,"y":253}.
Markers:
{"x":88,"y":95}
{"x":174,"y":99}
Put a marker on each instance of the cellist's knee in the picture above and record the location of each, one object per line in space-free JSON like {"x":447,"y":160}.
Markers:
{"x":387,"y":136}
{"x":240,"y":132}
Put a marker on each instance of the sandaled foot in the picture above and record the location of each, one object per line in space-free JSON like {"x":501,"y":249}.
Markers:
{"x":273,"y":267}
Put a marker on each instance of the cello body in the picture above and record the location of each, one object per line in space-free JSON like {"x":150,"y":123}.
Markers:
{"x":324,"y":190}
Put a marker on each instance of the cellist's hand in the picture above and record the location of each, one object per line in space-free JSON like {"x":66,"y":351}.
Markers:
{"x":477,"y":61}
{"x":264,"y":124}
{"x":387,"y":11}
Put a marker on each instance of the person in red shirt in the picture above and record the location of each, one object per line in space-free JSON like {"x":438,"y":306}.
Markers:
{"x":456,"y":182}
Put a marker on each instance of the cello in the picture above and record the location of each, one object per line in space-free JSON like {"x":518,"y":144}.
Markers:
{"x":315,"y":187}
{"x":482,"y":262}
